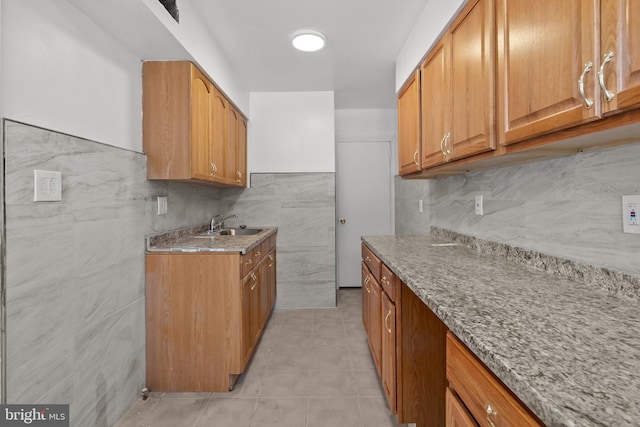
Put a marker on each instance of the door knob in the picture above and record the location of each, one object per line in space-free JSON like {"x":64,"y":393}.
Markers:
{"x":342,"y":220}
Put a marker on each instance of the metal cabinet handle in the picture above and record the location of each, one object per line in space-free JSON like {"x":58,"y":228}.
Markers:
{"x":449,"y":144}
{"x":490,"y":413}
{"x":588,"y":103}
{"x":385,"y":322}
{"x":367,"y":259}
{"x":239,"y":176}
{"x":270,"y":259}
{"x":608,"y":95}
{"x":415,"y":160}
{"x":257,"y":254}
{"x":366,"y":280}
{"x":249,"y":262}
{"x":385,"y":281}
{"x":442,"y":145}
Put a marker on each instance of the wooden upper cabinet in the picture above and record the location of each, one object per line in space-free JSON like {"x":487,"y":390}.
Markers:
{"x":620,"y":54}
{"x":409,"y":126}
{"x":545,"y":49}
{"x":188,"y":132}
{"x":470,"y":43}
{"x":200,"y":125}
{"x":218,"y":144}
{"x":242,"y":152}
{"x":457,"y":89}
{"x":435,"y":102}
{"x":231,"y":155}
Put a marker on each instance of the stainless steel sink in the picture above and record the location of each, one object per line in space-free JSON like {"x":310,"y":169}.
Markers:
{"x":230,"y":232}
{"x":238,"y":231}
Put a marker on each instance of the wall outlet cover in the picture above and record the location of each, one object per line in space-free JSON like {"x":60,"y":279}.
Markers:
{"x":630,"y":214}
{"x":162,"y":206}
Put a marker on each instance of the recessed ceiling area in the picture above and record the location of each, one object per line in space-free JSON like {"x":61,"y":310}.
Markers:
{"x":363,"y":38}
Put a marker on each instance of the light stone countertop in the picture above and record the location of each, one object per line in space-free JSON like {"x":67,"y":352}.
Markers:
{"x":571,"y":353}
{"x":187,"y":240}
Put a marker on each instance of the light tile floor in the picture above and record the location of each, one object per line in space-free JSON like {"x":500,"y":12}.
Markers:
{"x":311,"y":368}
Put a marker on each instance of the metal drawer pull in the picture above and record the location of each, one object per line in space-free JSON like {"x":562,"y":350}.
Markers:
{"x":385,"y":281}
{"x":414,"y":158}
{"x":587,"y":102}
{"x":490,"y":413}
{"x":257,"y":254}
{"x":449,"y":147}
{"x":385,"y":322}
{"x":608,"y":95}
{"x":367,"y":259}
{"x":249,"y":262}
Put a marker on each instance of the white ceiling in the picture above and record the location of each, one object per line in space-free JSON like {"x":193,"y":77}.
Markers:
{"x":358,"y":62}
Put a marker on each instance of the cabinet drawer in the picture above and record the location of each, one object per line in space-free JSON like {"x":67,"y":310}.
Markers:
{"x":372,"y":261}
{"x":388,"y":282}
{"x":487,"y":399}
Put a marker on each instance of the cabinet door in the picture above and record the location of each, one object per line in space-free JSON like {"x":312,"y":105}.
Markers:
{"x":544,"y":47}
{"x":271,"y":268}
{"x":265,"y":292}
{"x":389,"y":351}
{"x":200,"y":131}
{"x":470,"y":43}
{"x":256,"y":317}
{"x":366,"y":296}
{"x":435,"y":106}
{"x":375,"y":323}
{"x":409,"y":126}
{"x":620,"y":54}
{"x":242,"y":152}
{"x":218,"y":135}
{"x":247,"y":303}
{"x":457,"y":415}
{"x":231,"y":153}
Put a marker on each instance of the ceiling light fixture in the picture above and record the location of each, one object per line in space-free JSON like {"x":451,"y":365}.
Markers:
{"x":308,"y":40}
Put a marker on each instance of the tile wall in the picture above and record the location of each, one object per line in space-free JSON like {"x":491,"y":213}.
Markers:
{"x":568,"y":207}
{"x":75,"y":268}
{"x":302,"y":206}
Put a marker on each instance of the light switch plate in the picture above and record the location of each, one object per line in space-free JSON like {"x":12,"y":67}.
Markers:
{"x":47,"y":186}
{"x":630,"y":214}
{"x":162,"y":206}
{"x":479,"y":207}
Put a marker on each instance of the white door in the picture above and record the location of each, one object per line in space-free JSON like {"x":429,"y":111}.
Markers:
{"x":363,"y":200}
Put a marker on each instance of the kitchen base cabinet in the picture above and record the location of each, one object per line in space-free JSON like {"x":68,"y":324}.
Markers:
{"x":457,"y":414}
{"x":487,"y":400}
{"x":422,"y":380}
{"x":205,"y":313}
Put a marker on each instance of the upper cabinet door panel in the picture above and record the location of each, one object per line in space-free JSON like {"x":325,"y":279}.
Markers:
{"x":471,"y":44}
{"x":544,"y":50}
{"x":218,"y":134}
{"x":200,"y":125}
{"x":620,"y":54}
{"x":435,"y":106}
{"x":409,"y":126}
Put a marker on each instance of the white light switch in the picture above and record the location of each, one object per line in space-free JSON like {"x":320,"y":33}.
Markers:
{"x":479,"y":207}
{"x":630,"y":214}
{"x":162,"y":206}
{"x":47,"y":186}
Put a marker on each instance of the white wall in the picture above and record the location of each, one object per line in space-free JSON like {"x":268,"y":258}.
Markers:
{"x":431,"y":23}
{"x":60,"y":72}
{"x":194,"y":36}
{"x":291,"y":132}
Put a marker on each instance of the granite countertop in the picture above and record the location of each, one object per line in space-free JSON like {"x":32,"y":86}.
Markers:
{"x":571,"y":353}
{"x":189,"y":240}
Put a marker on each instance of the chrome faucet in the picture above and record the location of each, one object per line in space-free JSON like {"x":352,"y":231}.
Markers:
{"x":217,"y":224}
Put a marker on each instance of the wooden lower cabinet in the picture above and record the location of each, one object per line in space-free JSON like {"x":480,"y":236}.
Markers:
{"x":375,"y":324}
{"x":457,"y":414}
{"x":388,"y":351}
{"x":421,"y":363}
{"x":204,"y":317}
{"x":486,"y":398}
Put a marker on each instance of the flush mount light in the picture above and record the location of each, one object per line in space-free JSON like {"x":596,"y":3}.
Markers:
{"x":308,"y":40}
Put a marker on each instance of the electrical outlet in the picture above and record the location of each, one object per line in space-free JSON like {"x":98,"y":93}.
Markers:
{"x":479,"y":207}
{"x":162,"y":206}
{"x":630,"y":214}
{"x":420,"y":206}
{"x":47,"y":186}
